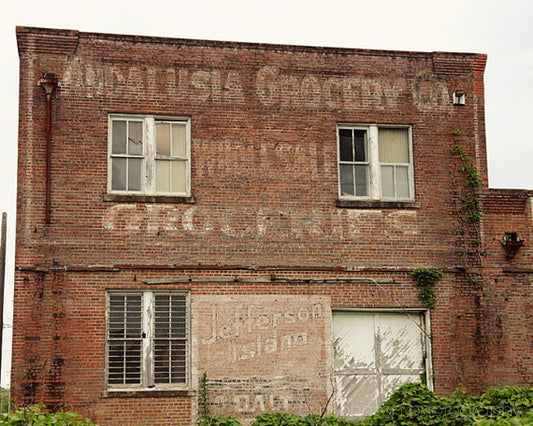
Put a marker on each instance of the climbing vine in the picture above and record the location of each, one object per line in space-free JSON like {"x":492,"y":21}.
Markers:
{"x":470,"y":200}
{"x":426,"y":279}
{"x":204,"y":412}
{"x":470,"y":207}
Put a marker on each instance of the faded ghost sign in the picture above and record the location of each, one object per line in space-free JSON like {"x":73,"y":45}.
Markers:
{"x":271,"y":86}
{"x":264,"y":353}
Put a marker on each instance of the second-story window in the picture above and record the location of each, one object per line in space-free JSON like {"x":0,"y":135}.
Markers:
{"x":149,"y":155}
{"x":375,"y":163}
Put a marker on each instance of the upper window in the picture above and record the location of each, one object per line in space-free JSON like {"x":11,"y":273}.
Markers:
{"x":149,"y":155}
{"x":147,"y":340}
{"x":375,"y":163}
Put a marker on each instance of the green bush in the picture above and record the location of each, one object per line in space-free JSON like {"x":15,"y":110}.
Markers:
{"x":413,"y":404}
{"x":277,"y":419}
{"x":515,"y":421}
{"x":34,"y":416}
{"x":219,"y":421}
{"x":287,"y":419}
{"x":4,"y":397}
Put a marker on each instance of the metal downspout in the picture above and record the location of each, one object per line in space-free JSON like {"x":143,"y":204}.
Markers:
{"x":48,"y":82}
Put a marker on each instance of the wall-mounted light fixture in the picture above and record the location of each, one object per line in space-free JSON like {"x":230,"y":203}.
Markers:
{"x":459,"y":98}
{"x":511,"y":242}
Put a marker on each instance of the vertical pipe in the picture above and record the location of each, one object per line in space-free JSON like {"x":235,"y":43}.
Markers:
{"x":2,"y":281}
{"x":48,"y":154}
{"x":48,"y":82}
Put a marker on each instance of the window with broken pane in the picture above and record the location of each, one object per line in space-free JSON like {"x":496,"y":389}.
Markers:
{"x":149,"y":155}
{"x":126,"y":155}
{"x":171,"y":157}
{"x":353,"y":162}
{"x":375,"y":163}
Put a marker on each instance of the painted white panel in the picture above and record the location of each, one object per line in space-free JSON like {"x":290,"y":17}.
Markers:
{"x":401,"y":341}
{"x":374,"y":354}
{"x":353,"y":341}
{"x":356,"y":395}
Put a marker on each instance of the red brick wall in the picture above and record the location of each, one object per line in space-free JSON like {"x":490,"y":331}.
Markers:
{"x":264,"y":177}
{"x":508,"y":299}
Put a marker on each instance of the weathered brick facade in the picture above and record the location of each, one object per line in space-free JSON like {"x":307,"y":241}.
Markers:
{"x":263,"y":245}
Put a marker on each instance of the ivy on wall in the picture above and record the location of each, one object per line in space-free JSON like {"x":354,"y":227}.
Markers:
{"x":426,"y":279}
{"x":470,"y":212}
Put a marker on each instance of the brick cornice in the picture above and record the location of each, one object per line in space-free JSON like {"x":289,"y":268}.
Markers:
{"x":59,"y":42}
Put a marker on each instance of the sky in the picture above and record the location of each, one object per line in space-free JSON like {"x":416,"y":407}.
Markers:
{"x":500,"y":28}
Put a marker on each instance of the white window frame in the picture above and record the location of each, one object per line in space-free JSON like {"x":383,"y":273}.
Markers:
{"x":374,"y":192}
{"x":148,"y":169}
{"x":147,"y":376}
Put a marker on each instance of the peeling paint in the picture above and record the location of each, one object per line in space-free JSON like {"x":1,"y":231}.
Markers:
{"x":374,"y":353}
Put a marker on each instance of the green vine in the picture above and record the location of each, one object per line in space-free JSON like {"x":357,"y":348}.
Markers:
{"x":204,"y":412}
{"x":470,"y":201}
{"x":470,"y":204}
{"x":426,"y":279}
{"x":472,"y":278}
{"x":473,"y":180}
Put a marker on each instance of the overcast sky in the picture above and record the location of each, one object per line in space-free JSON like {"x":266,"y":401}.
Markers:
{"x":500,"y":28}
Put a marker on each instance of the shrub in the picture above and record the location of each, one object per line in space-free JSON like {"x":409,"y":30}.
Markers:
{"x":413,"y":404}
{"x":220,"y":421}
{"x":287,"y":419}
{"x":34,"y":416}
{"x":4,"y":398}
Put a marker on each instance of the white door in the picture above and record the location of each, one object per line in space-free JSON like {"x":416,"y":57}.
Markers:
{"x":374,"y":354}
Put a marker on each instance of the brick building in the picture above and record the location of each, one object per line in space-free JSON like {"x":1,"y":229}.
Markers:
{"x":253,"y":211}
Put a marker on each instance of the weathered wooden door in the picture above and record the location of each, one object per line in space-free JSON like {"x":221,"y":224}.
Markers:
{"x":374,"y":354}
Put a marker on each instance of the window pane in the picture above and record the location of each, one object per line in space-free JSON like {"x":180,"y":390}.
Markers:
{"x":347,"y":187}
{"x":135,"y":139}
{"x":346,"y":146}
{"x":118,"y":178}
{"x":179,"y":140}
{"x":387,"y":181}
{"x":118,"y":136}
{"x":402,"y":182}
{"x":179,"y":176}
{"x":361,"y":181}
{"x":393,"y":145}
{"x":162,"y":131}
{"x":132,"y":365}
{"x":169,"y":350}
{"x":124,"y":339}
{"x":360,"y":145}
{"x":134,"y":174}
{"x":162,"y":176}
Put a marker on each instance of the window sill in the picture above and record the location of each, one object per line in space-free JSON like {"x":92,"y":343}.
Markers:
{"x":147,"y":393}
{"x":126,"y":198}
{"x":376,"y":204}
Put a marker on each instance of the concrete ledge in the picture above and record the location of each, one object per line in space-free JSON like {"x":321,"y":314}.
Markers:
{"x":118,"y":198}
{"x":371,"y":204}
{"x":147,"y":393}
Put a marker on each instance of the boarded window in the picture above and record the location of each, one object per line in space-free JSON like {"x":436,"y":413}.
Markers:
{"x":374,"y":354}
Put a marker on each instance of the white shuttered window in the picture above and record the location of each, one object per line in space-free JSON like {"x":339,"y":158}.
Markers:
{"x":147,"y":339}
